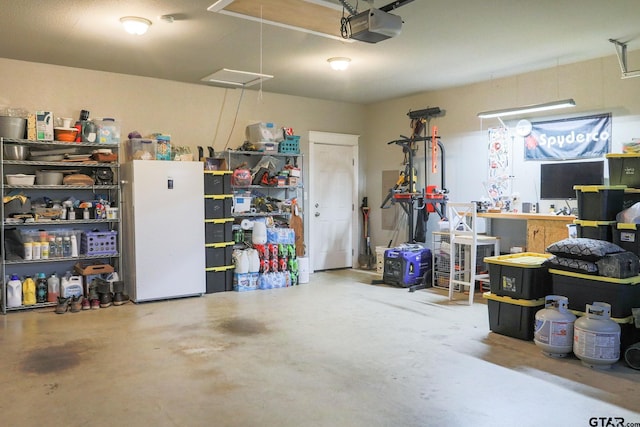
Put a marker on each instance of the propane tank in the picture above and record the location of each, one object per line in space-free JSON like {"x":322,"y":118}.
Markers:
{"x":553,"y":331}
{"x":596,"y":338}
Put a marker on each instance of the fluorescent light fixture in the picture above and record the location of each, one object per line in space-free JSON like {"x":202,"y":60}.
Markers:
{"x":235,"y":78}
{"x":555,"y":105}
{"x":339,"y":63}
{"x":135,"y":25}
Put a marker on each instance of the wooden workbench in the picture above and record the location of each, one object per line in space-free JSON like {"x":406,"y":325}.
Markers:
{"x":542,"y":229}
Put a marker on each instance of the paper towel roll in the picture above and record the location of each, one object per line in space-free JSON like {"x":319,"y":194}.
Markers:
{"x":303,"y":269}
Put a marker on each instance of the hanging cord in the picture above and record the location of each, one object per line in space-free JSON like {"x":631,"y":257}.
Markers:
{"x":261,"y":78}
{"x":215,"y":134}
{"x":235,"y":119}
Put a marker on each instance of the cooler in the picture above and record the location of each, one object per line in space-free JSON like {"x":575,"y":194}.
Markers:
{"x":406,"y":266}
{"x":513,"y":317}
{"x":519,"y":275}
{"x":582,"y":289}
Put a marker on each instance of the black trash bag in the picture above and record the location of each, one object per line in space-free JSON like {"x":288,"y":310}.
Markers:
{"x":13,"y":244}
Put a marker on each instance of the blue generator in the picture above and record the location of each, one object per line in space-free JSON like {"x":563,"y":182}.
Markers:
{"x":406,"y":265}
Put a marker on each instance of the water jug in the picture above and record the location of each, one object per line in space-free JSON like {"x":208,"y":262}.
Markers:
{"x":259,"y":233}
{"x":71,"y":286}
{"x":254,"y":260}
{"x":53,"y":288}
{"x":41,"y":288}
{"x":241,"y":261}
{"x":28,"y":291}
{"x":14,"y":292}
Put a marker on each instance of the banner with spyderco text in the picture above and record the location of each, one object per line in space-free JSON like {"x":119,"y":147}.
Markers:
{"x":575,"y":138}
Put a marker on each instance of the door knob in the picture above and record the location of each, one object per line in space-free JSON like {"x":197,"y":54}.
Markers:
{"x":317,"y":205}
{"x":317,"y":214}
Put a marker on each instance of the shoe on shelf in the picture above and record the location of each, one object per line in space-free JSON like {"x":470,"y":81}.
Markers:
{"x":95,"y":304}
{"x":76,"y":303}
{"x":63,"y":305}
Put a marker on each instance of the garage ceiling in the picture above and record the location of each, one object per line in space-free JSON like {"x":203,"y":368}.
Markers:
{"x":443,"y":43}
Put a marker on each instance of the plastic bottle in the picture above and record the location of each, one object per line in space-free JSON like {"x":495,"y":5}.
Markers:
{"x":28,"y":291}
{"x":66,"y":247}
{"x":53,"y":288}
{"x":74,"y":245}
{"x":59,"y":248}
{"x":35,"y":251}
{"x":28,"y":250}
{"x":44,"y":249}
{"x":14,"y":292}
{"x":85,"y":214}
{"x":53,"y":253}
{"x":41,"y":288}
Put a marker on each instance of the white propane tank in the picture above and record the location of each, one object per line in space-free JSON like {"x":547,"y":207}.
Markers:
{"x":596,"y":337}
{"x":553,"y":331}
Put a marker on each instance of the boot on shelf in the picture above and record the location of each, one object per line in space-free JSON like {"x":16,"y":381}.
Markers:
{"x":106,"y":297}
{"x":93,"y":296}
{"x":119,"y":297}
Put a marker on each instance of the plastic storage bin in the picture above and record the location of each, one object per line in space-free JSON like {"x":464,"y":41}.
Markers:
{"x":624,"y":169}
{"x":219,"y":279}
{"x":218,"y":230}
{"x":217,"y":182}
{"x":261,"y":132}
{"x":626,"y":236}
{"x":599,"y":202}
{"x":108,"y":131}
{"x":583,"y":289}
{"x":291,"y":144}
{"x":600,"y":230}
{"x":218,"y":206}
{"x":99,"y":243}
{"x":512,"y":317}
{"x":218,"y":254}
{"x":519,"y":275}
{"x":141,"y":149}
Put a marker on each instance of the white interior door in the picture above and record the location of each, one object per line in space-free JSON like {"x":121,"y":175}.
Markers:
{"x":332,"y":202}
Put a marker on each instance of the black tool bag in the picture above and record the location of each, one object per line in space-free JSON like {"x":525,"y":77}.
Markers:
{"x":620,"y":265}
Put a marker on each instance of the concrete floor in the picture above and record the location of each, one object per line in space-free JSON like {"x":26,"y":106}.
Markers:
{"x":334,"y":352}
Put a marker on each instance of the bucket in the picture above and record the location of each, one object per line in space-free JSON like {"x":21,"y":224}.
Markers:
{"x":632,"y":356}
{"x":12,"y":127}
{"x":303,"y":269}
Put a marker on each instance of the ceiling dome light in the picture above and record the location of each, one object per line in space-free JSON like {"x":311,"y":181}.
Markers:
{"x":135,"y":25}
{"x":339,"y":63}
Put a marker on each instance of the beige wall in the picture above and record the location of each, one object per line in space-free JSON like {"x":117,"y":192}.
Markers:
{"x":200,"y":115}
{"x":595,"y":85}
{"x":194,"y":115}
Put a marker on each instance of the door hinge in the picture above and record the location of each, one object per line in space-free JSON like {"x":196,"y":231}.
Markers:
{"x":353,"y":162}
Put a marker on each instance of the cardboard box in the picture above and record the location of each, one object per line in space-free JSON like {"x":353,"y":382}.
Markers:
{"x":91,"y":271}
{"x":44,"y":125}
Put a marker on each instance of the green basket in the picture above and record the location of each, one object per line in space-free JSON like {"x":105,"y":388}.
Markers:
{"x":291,"y":144}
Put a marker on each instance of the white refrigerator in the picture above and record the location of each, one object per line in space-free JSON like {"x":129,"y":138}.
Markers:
{"x":163,"y":229}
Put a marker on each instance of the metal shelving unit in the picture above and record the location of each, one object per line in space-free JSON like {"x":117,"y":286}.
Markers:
{"x":23,"y":267}
{"x":251,"y":158}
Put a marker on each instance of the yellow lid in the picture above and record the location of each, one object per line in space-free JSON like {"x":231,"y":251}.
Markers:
{"x":524,"y":259}
{"x":627,"y":281}
{"x":522,"y":302}
{"x":596,"y":188}
{"x":615,"y":319}
{"x":626,"y":226}
{"x":219,"y":245}
{"x":219,"y":269}
{"x":218,"y":172}
{"x":586,"y":223}
{"x":218,"y":196}
{"x":616,"y":155}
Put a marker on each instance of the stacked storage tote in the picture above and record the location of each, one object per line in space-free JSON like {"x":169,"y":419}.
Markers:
{"x":218,"y":200}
